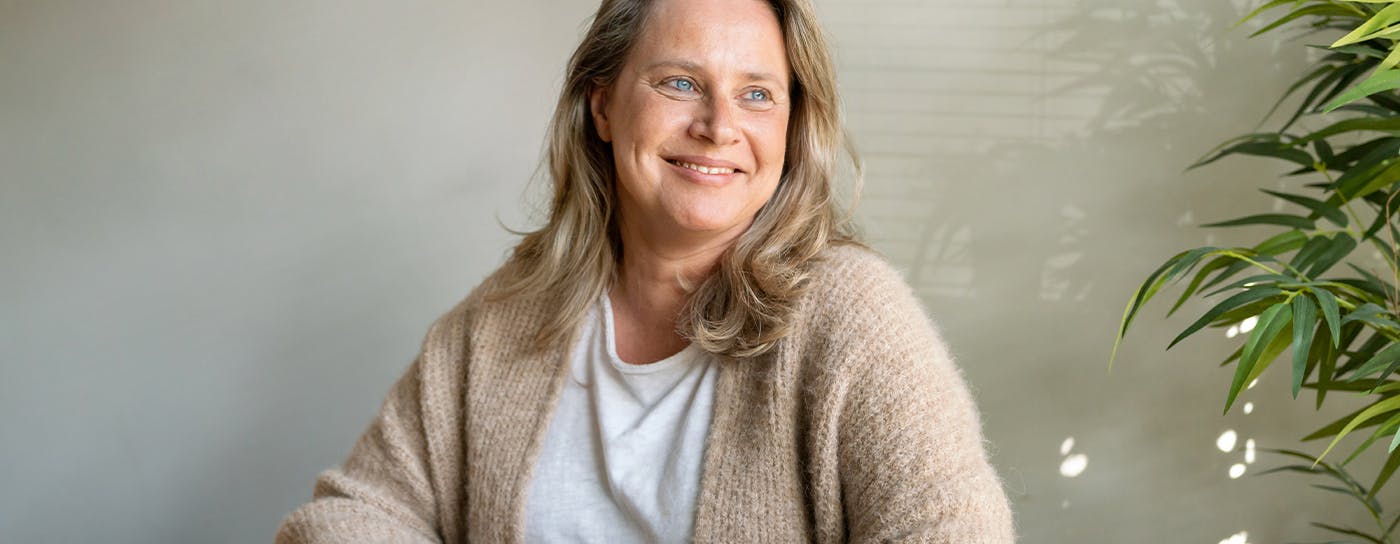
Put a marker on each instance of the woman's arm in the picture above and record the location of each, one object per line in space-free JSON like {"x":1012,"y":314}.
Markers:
{"x":401,"y":481}
{"x":912,"y":460}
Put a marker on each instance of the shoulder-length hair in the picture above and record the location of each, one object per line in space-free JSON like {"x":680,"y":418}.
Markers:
{"x":746,"y":305}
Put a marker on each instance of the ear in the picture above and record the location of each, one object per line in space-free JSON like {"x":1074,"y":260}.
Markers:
{"x":598,"y":106}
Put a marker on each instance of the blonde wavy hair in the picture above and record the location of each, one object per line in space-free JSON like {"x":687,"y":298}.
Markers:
{"x":745,"y":307}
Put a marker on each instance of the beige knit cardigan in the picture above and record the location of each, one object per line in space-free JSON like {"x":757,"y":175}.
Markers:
{"x":856,"y":428}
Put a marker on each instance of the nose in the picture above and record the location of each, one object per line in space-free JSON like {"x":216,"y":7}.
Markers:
{"x":715,"y":122}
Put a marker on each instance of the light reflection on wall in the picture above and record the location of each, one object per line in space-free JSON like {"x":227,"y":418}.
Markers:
{"x":1244,"y":326}
{"x":1071,"y":465}
{"x":1226,"y":442}
{"x":1241,"y":537}
{"x":1229,"y":439}
{"x":1074,"y":465}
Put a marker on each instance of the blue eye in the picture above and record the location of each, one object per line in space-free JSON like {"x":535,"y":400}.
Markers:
{"x":683,"y":85}
{"x":759,"y":95}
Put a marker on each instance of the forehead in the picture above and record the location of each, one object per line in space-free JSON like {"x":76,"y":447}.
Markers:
{"x":719,"y":36}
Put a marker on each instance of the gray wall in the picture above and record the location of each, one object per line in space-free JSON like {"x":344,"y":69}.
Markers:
{"x":226,"y":226}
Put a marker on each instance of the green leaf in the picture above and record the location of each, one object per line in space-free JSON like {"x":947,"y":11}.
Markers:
{"x":1267,"y":219}
{"x":1169,"y":269}
{"x":1379,"y":408}
{"x":1331,"y":429}
{"x":1382,"y":19}
{"x":1338,"y":247}
{"x":1237,"y":144}
{"x":1328,"y":88}
{"x":1223,"y":258}
{"x":1383,"y":179}
{"x":1316,"y":10}
{"x":1335,"y":489}
{"x":1367,"y":350}
{"x":1381,"y":220}
{"x":1262,"y":9}
{"x":1315,"y":247}
{"x":1317,"y":352}
{"x":1370,"y":183}
{"x":1345,"y":530}
{"x":1327,"y":469}
{"x":1356,"y":387}
{"x":1277,"y":150}
{"x":1387,"y":359}
{"x":1330,"y":85}
{"x":1215,"y":264}
{"x":1366,"y":109}
{"x":1383,"y":429}
{"x":1388,"y":104}
{"x":1374,"y":285}
{"x":1354,"y":155}
{"x":1304,"y":314}
{"x":1389,"y":61}
{"x":1359,"y":124}
{"x":1271,"y":353}
{"x":1321,"y":209}
{"x":1330,"y":312}
{"x":1374,"y":161}
{"x":1253,"y":309}
{"x":1371,"y":314}
{"x":1326,"y":368}
{"x":1387,"y":80}
{"x":1324,"y":152}
{"x":1360,"y":50}
{"x":1233,"y":356}
{"x":1391,"y":463}
{"x":1271,"y":322}
{"x":1321,"y":71}
{"x":1239,"y":299}
{"x":1277,"y":280}
{"x":1284,"y":241}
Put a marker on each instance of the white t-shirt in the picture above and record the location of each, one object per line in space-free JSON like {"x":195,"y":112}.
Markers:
{"x":621,"y":460}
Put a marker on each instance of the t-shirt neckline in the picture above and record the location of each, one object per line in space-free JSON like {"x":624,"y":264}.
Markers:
{"x":610,"y":340}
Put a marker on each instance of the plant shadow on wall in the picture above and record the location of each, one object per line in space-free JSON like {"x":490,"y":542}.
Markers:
{"x":1082,"y":149}
{"x":1334,"y":324}
{"x":1141,"y":103}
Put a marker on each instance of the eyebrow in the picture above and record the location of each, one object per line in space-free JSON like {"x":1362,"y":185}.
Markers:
{"x":693,"y":67}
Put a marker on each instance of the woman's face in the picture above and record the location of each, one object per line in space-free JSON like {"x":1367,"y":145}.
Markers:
{"x":698,"y":118}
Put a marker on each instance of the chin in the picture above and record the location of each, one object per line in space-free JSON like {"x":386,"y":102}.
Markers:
{"x":699,"y":221}
{"x":709,"y":215}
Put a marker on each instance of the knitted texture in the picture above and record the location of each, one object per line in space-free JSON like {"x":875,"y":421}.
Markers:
{"x":858,"y":427}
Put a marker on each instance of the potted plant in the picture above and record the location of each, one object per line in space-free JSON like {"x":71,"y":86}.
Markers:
{"x":1340,"y":323}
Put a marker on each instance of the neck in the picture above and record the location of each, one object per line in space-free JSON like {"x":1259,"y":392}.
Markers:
{"x":655,"y":270}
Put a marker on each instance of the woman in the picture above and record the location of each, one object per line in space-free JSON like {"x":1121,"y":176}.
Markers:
{"x":693,"y":346}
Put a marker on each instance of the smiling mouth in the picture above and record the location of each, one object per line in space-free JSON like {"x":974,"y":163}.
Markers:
{"x":713,"y":170}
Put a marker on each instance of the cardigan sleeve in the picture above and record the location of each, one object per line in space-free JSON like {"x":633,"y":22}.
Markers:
{"x":381,"y":492}
{"x":912,"y":461}
{"x":401,"y":481}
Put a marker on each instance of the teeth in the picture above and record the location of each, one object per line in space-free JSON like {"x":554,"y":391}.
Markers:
{"x":706,"y":169}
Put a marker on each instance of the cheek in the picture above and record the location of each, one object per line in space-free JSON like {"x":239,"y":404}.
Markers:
{"x":635,"y":133}
{"x":651,"y":122}
{"x":770,"y":143}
